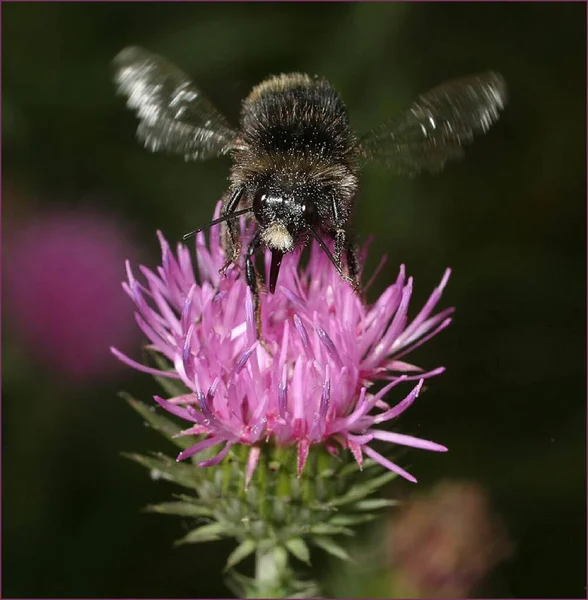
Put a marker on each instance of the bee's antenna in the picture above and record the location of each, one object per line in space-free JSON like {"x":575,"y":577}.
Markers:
{"x":326,"y":250}
{"x":222,"y":219}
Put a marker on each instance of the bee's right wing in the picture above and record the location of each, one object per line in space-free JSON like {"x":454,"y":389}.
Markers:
{"x":173,"y":114}
{"x":437,"y":126}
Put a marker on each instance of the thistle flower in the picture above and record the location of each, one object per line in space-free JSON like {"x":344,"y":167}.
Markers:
{"x":326,"y":350}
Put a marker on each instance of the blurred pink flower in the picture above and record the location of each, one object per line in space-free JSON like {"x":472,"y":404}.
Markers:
{"x":446,"y":542}
{"x":327,"y":349}
{"x":61,"y":278}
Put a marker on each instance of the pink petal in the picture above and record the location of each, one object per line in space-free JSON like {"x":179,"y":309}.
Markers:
{"x":178,"y":411}
{"x":252,"y":461}
{"x":199,"y":447}
{"x":135,"y":365}
{"x":216,"y":459}
{"x":407,"y":440}
{"x":401,"y":406}
{"x":429,"y":305}
{"x":356,"y":451}
{"x":387,"y":463}
{"x":303,"y":450}
{"x":424,"y":339}
{"x":303,"y":337}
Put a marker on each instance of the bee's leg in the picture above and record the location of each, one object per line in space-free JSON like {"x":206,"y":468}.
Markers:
{"x":230,"y":240}
{"x":344,"y":245}
{"x":352,"y":262}
{"x":251,"y":279}
{"x":340,"y":243}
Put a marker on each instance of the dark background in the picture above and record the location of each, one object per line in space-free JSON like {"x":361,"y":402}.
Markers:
{"x":510,"y":220}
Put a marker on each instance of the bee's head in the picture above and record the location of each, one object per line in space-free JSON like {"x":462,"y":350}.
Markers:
{"x":284,"y":218}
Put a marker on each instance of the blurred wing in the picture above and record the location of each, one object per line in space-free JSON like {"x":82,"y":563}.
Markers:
{"x":437,"y":125}
{"x":173,"y":114}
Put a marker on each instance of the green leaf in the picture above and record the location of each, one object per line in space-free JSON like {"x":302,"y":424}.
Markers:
{"x":344,"y":520}
{"x":328,"y":529}
{"x":367,"y":487}
{"x":242,"y":551}
{"x":172,"y":387}
{"x":279,"y":557}
{"x":298,"y":547}
{"x":328,"y":473}
{"x":182,"y":509}
{"x":241,"y":585}
{"x":158,"y":421}
{"x":165,"y":467}
{"x":374,"y":504}
{"x":187,"y":498}
{"x":323,"y":507}
{"x":304,"y":589}
{"x":352,"y":467}
{"x":332,"y":547}
{"x":207,"y":533}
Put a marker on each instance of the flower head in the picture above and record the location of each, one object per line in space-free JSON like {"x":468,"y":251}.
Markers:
{"x":326,"y":346}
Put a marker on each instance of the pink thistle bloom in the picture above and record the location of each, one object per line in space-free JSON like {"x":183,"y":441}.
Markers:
{"x":327,"y":349}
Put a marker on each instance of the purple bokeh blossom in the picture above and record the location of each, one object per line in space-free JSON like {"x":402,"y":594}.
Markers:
{"x":61,"y":291}
{"x":327,"y":349}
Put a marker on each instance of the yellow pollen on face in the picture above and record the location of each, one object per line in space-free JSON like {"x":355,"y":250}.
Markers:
{"x":277,"y":237}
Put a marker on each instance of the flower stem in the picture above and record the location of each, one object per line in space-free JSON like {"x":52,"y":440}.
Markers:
{"x":271,"y":573}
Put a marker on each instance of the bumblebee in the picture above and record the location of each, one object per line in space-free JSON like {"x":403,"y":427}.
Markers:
{"x":295,"y":157}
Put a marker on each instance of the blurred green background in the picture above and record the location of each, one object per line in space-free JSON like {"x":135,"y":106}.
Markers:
{"x":510,"y":220}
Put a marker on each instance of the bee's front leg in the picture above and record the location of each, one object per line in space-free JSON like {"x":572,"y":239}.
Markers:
{"x":251,"y":279}
{"x":344,"y":245}
{"x":230,"y":239}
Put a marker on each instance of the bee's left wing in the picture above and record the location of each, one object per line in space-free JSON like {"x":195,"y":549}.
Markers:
{"x":174,"y":115}
{"x":434,"y":129}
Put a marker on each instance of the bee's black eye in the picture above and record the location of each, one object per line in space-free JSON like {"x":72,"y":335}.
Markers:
{"x":258,"y":202}
{"x":309,"y":211}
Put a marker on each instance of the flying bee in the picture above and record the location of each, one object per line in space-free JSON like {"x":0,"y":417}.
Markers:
{"x":295,"y":157}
